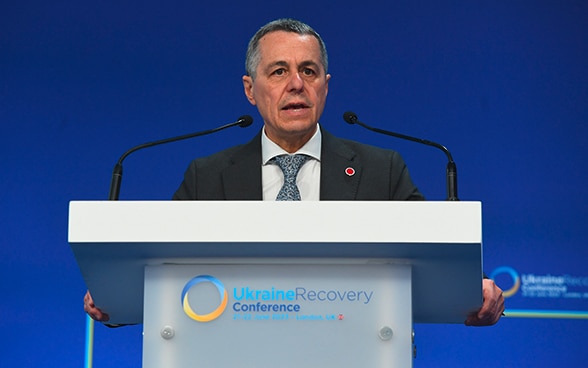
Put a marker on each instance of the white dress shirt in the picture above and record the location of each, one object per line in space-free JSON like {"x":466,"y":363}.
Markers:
{"x":309,"y":176}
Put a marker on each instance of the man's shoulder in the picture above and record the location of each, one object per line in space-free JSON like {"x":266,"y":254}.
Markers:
{"x":222,"y":155}
{"x":228,"y":155}
{"x":351,"y":146}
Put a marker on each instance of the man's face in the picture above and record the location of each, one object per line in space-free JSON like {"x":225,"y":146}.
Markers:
{"x":290,"y":87}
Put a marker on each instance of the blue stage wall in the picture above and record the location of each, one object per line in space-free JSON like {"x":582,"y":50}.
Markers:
{"x":503,"y":84}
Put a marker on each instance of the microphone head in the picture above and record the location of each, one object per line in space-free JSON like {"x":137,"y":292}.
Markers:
{"x":245,"y":120}
{"x":350,"y":117}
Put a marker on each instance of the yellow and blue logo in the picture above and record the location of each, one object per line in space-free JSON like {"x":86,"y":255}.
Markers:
{"x":215,"y":313}
{"x":516,"y":279}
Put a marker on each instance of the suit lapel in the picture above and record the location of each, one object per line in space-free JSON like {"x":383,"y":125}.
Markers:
{"x":242,"y":178}
{"x":340,"y":169}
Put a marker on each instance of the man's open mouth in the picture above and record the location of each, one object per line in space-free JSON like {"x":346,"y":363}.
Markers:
{"x":295,"y":106}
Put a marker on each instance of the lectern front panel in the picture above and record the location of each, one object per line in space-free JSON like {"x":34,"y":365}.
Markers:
{"x":262,"y":315}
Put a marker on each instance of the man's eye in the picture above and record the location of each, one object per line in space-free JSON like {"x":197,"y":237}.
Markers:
{"x":308,"y":71}
{"x":279,"y":72}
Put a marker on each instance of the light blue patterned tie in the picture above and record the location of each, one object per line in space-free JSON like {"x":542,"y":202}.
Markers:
{"x":290,"y":165}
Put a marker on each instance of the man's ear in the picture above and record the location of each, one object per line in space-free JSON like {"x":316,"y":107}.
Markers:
{"x":248,"y":89}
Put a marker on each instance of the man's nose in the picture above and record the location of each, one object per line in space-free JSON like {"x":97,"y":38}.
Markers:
{"x":296,"y":83}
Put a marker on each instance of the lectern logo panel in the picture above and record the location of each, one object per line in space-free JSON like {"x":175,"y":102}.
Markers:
{"x":215,"y":313}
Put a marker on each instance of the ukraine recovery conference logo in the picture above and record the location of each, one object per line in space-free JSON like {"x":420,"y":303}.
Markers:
{"x":215,"y":313}
{"x":516,"y":279}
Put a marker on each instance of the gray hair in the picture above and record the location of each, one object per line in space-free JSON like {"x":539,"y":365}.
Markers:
{"x":288,"y":25}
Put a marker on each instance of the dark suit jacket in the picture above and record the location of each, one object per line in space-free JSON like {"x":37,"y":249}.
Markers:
{"x":235,"y":173}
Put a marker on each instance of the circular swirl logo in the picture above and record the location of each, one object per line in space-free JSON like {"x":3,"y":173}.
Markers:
{"x":215,"y":313}
{"x":516,"y":279}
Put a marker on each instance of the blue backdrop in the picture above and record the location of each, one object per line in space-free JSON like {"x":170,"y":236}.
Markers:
{"x":503,"y":84}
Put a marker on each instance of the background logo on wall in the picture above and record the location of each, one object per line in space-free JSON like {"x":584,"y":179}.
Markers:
{"x":545,"y":291}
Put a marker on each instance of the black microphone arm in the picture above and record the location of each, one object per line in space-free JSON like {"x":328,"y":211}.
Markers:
{"x":243,"y":121}
{"x":351,"y":118}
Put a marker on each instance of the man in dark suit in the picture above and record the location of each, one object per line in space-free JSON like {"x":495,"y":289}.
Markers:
{"x":287,"y":81}
{"x":349,"y":171}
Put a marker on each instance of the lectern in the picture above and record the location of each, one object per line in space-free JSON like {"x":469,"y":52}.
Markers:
{"x":279,"y":284}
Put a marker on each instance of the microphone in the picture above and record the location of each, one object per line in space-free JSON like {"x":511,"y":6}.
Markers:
{"x":244,"y":121}
{"x":351,"y":118}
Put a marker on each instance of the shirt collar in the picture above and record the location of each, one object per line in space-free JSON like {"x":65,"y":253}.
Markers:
{"x":270,"y":150}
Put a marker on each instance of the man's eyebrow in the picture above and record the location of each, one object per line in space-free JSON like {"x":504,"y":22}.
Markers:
{"x":276,"y":63}
{"x":284,"y":64}
{"x":309,"y":63}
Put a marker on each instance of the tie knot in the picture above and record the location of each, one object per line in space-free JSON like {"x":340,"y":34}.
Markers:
{"x":290,"y":164}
